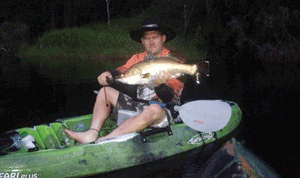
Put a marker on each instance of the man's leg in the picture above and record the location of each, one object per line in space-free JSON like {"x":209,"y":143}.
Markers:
{"x":152,"y":115}
{"x":106,"y":98}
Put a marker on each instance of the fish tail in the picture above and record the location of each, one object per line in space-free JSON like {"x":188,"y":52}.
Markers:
{"x":204,"y":68}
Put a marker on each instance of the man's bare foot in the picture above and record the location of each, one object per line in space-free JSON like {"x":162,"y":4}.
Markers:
{"x":103,"y":138}
{"x":82,"y":137}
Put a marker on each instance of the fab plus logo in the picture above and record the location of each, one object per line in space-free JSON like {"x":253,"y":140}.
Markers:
{"x":17,"y":175}
{"x":198,"y":139}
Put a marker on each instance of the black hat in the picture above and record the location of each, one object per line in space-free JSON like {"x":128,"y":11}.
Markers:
{"x":151,"y":24}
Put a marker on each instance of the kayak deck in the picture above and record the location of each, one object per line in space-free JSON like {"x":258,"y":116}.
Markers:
{"x":53,"y":136}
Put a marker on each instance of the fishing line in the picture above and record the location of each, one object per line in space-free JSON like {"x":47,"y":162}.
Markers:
{"x":105,"y":97}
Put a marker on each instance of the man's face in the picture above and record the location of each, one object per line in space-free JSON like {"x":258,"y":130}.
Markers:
{"x":153,"y":42}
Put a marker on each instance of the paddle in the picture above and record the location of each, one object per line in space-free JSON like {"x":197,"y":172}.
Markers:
{"x":201,"y":115}
{"x":205,"y":115}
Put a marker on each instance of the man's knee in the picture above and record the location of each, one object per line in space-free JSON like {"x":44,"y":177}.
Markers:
{"x":155,"y":111}
{"x":109,"y":93}
{"x":106,"y":90}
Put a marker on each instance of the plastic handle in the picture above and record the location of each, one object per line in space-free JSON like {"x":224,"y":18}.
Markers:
{"x":176,"y":108}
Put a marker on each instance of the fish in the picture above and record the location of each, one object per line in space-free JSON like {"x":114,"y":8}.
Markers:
{"x":144,"y":72}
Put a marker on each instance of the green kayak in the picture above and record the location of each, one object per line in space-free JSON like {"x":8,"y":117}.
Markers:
{"x":235,"y":160}
{"x":46,"y":151}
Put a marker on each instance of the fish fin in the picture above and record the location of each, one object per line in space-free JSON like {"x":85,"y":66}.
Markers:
{"x":178,"y":75}
{"x":198,"y":78}
{"x":204,"y":67}
{"x":150,"y":84}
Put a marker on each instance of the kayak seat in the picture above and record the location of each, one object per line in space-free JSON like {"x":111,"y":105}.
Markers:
{"x":153,"y":131}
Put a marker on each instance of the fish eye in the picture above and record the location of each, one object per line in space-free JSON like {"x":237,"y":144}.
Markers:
{"x":146,"y":75}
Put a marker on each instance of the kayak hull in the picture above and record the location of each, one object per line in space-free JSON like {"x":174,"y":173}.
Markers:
{"x":234,"y":159}
{"x":60,"y":156}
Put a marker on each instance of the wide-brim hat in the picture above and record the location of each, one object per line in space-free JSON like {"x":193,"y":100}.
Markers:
{"x":152,"y":24}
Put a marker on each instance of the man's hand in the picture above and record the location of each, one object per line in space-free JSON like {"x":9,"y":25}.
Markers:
{"x":102,"y":78}
{"x":161,"y":77}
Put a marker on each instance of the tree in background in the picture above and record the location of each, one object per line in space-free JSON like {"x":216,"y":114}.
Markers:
{"x":270,"y":29}
{"x":253,"y":47}
{"x":13,"y":34}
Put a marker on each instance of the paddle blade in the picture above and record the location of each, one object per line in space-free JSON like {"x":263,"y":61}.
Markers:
{"x":205,"y":115}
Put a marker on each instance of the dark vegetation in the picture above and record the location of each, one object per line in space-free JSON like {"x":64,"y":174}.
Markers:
{"x":252,"y":46}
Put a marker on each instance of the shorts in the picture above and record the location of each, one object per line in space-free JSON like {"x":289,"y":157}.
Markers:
{"x":125,"y":102}
{"x":165,"y":122}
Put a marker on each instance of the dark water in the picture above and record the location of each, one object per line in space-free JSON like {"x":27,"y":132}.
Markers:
{"x":270,"y":117}
{"x":27,"y":98}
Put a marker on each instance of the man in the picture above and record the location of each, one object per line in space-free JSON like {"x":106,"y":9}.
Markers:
{"x":152,"y":35}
